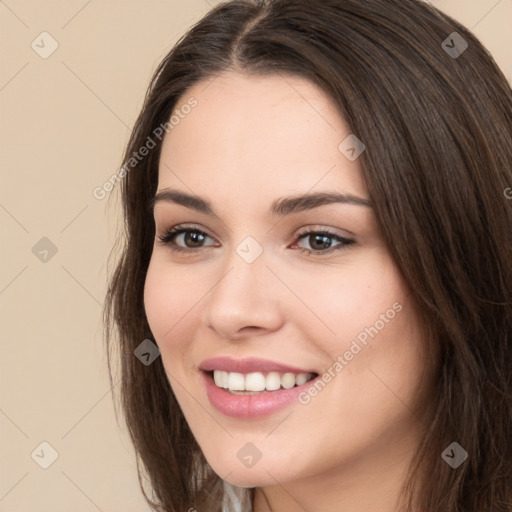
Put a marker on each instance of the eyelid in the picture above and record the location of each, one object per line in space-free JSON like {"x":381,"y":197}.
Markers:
{"x":319,"y":228}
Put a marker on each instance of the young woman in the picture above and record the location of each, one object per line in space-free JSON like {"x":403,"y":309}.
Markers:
{"x":313,"y":304}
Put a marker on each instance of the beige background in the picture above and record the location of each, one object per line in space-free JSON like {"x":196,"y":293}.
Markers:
{"x":64,"y":123}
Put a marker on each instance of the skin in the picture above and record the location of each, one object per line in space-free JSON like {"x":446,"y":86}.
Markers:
{"x":249,"y":141}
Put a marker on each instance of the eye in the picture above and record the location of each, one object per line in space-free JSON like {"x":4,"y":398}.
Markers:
{"x":322,"y":243}
{"x":192,"y":239}
{"x":188,"y":239}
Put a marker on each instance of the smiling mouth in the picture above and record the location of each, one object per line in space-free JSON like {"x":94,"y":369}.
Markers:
{"x":257,"y":383}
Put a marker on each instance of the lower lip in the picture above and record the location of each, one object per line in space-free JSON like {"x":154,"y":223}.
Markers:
{"x":251,"y":406}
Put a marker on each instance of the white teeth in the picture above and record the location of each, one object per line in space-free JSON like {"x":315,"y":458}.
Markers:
{"x":273,"y":381}
{"x":258,"y":381}
{"x":217,"y":377}
{"x":236,"y":381}
{"x":288,"y":380}
{"x":302,"y":378}
{"x":254,"y":382}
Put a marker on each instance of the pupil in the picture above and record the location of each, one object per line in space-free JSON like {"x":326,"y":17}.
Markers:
{"x":193,"y":237}
{"x":320,"y":241}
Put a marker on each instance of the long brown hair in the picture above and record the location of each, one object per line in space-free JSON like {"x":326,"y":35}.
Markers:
{"x":436,"y":119}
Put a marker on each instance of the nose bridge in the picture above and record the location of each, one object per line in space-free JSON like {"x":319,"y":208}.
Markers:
{"x":246,"y":267}
{"x":244,"y":295}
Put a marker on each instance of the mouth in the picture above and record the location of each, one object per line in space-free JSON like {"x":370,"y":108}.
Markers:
{"x":258,"y":383}
{"x":253,"y":388}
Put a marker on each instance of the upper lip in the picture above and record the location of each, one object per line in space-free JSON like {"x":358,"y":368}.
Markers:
{"x":248,"y":365}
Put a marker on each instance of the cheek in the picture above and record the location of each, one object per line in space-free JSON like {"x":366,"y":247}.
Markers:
{"x":351,"y":302}
{"x":169,"y":306}
{"x":382,"y":359}
{"x":374,"y":339}
{"x":169,"y":299}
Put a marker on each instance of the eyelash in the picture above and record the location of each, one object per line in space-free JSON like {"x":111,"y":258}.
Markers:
{"x":168,"y":238}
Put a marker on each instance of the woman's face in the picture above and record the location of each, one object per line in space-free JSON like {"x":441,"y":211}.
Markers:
{"x":276,"y":285}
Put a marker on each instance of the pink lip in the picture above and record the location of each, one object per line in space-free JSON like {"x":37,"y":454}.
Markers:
{"x":227,"y":364}
{"x":249,"y":406}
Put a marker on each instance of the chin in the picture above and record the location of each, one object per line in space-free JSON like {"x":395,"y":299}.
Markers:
{"x":249,"y":479}
{"x":261,"y":474}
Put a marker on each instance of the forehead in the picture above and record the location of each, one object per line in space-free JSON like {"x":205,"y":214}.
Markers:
{"x":258,"y":136}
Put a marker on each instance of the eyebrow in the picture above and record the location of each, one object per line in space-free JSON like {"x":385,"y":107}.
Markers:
{"x":282,"y":206}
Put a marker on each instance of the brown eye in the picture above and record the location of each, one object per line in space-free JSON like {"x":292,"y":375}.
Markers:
{"x":319,"y":242}
{"x":323,"y":242}
{"x":184,"y":239}
{"x":193,"y":238}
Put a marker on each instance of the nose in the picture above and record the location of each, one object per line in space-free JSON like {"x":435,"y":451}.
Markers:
{"x":245,"y":301}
